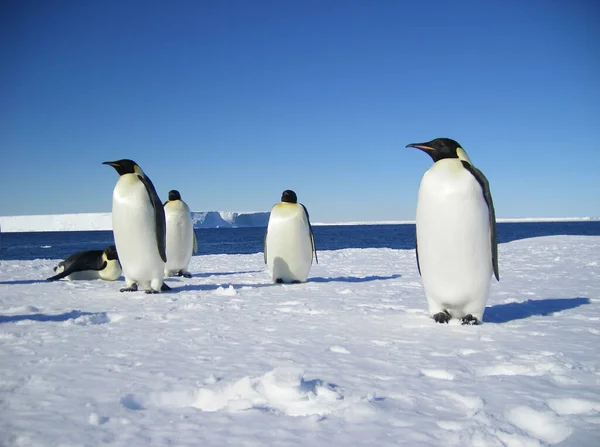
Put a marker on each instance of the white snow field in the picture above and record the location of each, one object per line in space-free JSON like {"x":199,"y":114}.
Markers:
{"x":350,"y":358}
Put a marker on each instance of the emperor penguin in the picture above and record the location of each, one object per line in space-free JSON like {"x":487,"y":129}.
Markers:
{"x":181,"y":238}
{"x":138,"y":221}
{"x":456,"y":246}
{"x":91,"y":264}
{"x":289,"y":241}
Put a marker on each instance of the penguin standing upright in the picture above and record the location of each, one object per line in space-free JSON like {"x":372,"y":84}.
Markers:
{"x":90,"y":264}
{"x":138,"y":221}
{"x":289,"y":241}
{"x":181,"y":238}
{"x":456,"y":246}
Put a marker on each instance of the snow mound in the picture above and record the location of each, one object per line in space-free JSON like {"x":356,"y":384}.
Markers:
{"x":283,"y":391}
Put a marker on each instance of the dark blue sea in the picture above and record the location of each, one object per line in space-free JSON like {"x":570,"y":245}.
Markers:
{"x":60,"y":244}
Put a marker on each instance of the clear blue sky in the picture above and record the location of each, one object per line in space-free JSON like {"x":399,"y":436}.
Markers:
{"x":231,"y":102}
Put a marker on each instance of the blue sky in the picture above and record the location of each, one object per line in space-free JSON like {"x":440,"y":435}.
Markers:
{"x":231,"y":102}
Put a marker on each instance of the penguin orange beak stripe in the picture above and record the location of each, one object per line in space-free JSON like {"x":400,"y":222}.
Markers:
{"x":420,"y":146}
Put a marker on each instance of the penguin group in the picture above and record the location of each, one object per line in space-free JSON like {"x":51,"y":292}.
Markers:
{"x":456,"y":247}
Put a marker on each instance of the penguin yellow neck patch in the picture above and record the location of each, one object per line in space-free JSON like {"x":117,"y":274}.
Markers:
{"x":462,"y":155}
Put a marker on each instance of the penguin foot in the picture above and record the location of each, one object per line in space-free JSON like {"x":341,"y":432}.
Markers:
{"x":279,"y":281}
{"x":132,"y":288}
{"x":150,"y":292}
{"x":470,"y":319}
{"x":442,"y":317}
{"x":164,"y":287}
{"x":295,"y":281}
{"x":185,"y":274}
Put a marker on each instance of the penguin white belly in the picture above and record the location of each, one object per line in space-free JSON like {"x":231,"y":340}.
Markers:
{"x":453,"y":240}
{"x":135,"y":233}
{"x":112,"y":271}
{"x":288,"y":243}
{"x":180,"y":237}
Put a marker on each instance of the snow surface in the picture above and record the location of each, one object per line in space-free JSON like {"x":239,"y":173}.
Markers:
{"x":350,"y":358}
{"x":201,"y":219}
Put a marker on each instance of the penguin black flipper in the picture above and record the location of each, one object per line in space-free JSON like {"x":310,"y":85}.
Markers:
{"x":485,"y":188}
{"x":417,"y":253}
{"x":79,"y":262}
{"x":312,"y":236}
{"x":265,"y":245}
{"x":159,"y":217}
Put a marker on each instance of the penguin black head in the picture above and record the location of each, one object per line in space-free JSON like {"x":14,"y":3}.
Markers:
{"x":111,"y":253}
{"x":289,"y":196}
{"x":125,"y":166}
{"x":174,"y":195}
{"x":441,"y":148}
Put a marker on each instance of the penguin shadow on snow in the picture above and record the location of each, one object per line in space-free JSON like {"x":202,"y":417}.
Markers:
{"x":97,"y":317}
{"x":353,"y":278}
{"x":209,"y":274}
{"x":212,"y":287}
{"x":24,"y":281}
{"x":505,"y":313}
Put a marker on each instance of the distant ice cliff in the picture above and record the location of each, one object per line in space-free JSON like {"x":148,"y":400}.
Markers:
{"x":102,"y":221}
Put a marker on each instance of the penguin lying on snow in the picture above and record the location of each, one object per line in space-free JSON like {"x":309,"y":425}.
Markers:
{"x":138,"y":221}
{"x":92,"y":264}
{"x":181,"y":238}
{"x":457,"y":251}
{"x":289,"y":241}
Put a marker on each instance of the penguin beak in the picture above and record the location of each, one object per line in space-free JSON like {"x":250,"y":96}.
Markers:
{"x":422,"y":146}
{"x":114,"y":164}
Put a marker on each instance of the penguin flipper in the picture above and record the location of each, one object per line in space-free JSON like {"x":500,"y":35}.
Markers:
{"x":485,"y":187}
{"x":265,"y":245}
{"x":159,"y":217}
{"x":417,"y":253}
{"x":79,"y":262}
{"x":312,"y":236}
{"x":195,"y":243}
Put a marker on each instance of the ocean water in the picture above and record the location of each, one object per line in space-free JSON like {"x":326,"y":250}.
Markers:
{"x":60,"y":244}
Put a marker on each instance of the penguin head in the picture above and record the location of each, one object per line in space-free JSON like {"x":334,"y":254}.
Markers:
{"x":125,"y":166}
{"x":111,"y":253}
{"x":174,"y":195}
{"x":289,"y":196}
{"x":441,"y":148}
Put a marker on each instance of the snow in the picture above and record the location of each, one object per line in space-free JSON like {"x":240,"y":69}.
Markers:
{"x":349,"y":358}
{"x":103,"y":221}
{"x":201,"y":219}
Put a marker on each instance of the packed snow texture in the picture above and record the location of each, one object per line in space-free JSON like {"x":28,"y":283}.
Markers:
{"x":103,"y":221}
{"x":349,"y":358}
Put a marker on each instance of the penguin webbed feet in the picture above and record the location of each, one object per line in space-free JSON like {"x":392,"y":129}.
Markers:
{"x":184,"y":274}
{"x":442,"y":317}
{"x":132,"y":288}
{"x":470,"y":320}
{"x":281,"y":281}
{"x":150,"y":291}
